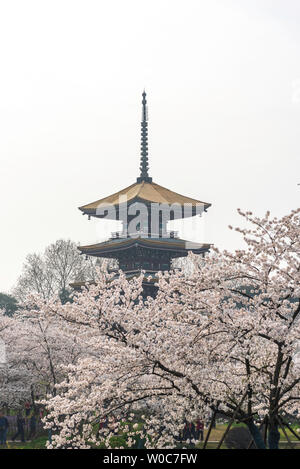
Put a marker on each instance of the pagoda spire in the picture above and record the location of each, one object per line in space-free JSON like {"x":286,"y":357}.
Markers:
{"x":144,"y":165}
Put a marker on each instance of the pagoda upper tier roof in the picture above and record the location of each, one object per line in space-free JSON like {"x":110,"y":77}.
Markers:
{"x":147,"y":192}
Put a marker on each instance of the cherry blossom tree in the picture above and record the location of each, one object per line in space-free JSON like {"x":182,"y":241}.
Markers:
{"x":36,"y":347}
{"x":251,"y":301}
{"x":222,"y":339}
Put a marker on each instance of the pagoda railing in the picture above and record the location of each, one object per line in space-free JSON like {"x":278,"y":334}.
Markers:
{"x":144,"y":234}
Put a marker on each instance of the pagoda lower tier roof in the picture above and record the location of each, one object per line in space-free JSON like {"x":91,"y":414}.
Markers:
{"x":147,"y":192}
{"x":177,"y":247}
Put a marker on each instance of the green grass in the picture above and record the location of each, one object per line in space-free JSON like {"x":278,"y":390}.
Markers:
{"x":37,"y":443}
{"x":120,"y":440}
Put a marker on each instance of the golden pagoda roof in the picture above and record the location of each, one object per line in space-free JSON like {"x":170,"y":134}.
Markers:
{"x":143,"y":191}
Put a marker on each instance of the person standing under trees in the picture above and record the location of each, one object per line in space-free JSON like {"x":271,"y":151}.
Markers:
{"x":32,"y":426}
{"x":3,"y":429}
{"x":20,"y":426}
{"x":189,"y":433}
{"x":27,"y":408}
{"x":199,"y":430}
{"x":192,"y":433}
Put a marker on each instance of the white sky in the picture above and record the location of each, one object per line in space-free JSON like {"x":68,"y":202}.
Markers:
{"x":223,"y":83}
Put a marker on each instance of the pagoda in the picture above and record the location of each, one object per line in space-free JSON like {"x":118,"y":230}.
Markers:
{"x":144,"y":243}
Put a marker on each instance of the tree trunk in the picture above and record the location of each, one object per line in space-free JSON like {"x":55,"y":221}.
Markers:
{"x":274,"y":435}
{"x":256,"y":435}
